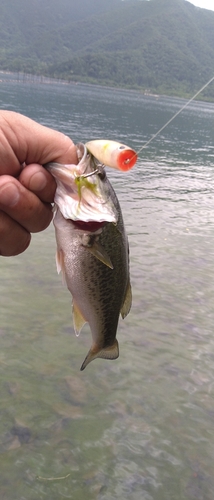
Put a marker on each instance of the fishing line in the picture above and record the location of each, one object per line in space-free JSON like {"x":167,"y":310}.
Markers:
{"x":173,"y":117}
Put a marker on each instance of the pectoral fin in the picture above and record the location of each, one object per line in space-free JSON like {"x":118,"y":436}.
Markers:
{"x":78,"y":319}
{"x":127,"y":302}
{"x":110,"y":352}
{"x":99,"y":252}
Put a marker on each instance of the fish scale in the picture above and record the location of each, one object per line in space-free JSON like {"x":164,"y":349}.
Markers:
{"x":97,"y":290}
{"x":94,"y":261}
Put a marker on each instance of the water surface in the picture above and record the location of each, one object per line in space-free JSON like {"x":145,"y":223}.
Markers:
{"x":141,"y":426}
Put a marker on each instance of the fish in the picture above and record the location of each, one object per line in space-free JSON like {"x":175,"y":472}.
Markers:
{"x":92,"y":251}
{"x":113,"y":154}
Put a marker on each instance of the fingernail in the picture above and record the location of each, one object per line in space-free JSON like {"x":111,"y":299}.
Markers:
{"x":37,"y":182}
{"x":9,"y":195}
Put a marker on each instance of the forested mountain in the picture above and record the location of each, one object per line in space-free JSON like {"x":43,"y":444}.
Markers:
{"x":161,"y":46}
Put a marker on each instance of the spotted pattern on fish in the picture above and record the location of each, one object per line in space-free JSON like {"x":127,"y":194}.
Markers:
{"x":93,"y":254}
{"x":98,"y":290}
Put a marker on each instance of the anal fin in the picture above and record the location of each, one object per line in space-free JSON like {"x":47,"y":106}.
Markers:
{"x":78,"y":319}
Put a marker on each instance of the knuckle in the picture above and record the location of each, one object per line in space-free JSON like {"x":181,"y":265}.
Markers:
{"x":14,"y":239}
{"x":42,"y":218}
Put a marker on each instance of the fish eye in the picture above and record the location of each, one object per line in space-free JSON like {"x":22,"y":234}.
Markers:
{"x":122,"y":147}
{"x":102,"y":174}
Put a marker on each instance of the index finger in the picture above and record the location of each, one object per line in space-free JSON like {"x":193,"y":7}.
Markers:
{"x":25,"y":141}
{"x":38,"y":180}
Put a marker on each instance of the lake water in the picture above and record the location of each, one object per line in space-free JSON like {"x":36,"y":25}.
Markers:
{"x":141,"y":427}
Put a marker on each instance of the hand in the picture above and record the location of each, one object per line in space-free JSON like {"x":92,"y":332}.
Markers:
{"x":26,"y":188}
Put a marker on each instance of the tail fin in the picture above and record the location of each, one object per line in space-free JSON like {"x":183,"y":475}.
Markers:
{"x":110,"y":352}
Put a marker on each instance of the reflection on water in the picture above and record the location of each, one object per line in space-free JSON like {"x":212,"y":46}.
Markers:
{"x":141,"y":426}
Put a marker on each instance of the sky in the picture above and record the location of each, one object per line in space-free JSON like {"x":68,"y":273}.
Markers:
{"x":205,"y":4}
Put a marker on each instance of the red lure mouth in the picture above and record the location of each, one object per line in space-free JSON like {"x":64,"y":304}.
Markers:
{"x":126,"y":159}
{"x":91,"y":226}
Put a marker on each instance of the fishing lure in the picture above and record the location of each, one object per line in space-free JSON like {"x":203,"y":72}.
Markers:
{"x":112,"y":154}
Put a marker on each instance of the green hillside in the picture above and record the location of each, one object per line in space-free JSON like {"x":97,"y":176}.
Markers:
{"x":159,"y":46}
{"x":31,"y":31}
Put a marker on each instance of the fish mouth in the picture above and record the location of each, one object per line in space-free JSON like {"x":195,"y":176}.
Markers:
{"x":91,"y":226}
{"x":82,"y":194}
{"x":85,"y":168}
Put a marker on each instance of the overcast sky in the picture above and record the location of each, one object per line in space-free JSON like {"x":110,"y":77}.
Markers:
{"x":205,"y":4}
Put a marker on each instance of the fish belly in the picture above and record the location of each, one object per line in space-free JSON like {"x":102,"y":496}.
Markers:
{"x":97,"y":290}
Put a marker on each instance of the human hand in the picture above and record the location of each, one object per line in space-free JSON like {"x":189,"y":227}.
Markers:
{"x":26,"y":188}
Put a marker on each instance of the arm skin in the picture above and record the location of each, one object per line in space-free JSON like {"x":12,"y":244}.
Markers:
{"x":26,"y":188}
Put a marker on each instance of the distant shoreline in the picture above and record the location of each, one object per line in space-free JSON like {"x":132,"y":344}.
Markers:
{"x":43,"y":79}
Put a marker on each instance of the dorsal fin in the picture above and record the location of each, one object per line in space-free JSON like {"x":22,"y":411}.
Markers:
{"x":127,"y":301}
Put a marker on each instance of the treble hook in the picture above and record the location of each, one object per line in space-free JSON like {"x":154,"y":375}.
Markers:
{"x":96,"y":171}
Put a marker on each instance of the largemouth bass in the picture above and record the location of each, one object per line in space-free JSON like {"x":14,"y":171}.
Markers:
{"x":92,"y":251}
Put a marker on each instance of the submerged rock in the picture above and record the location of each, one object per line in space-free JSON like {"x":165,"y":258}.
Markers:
{"x":24,"y":434}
